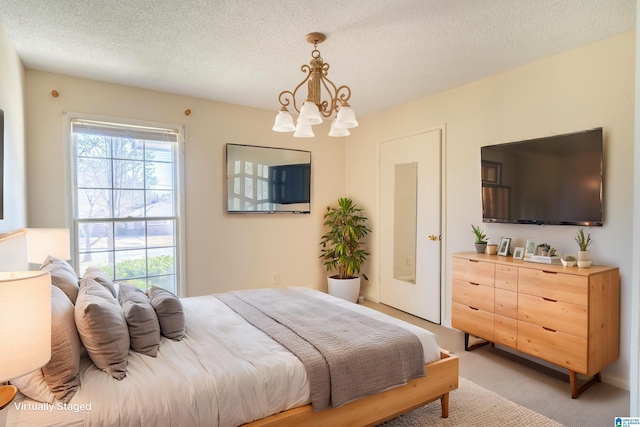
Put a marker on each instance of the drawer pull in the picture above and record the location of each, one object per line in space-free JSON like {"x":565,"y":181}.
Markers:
{"x":549,"y":272}
{"x":473,"y":260}
{"x":473,"y":308}
{"x":549,"y":329}
{"x":474,"y":284}
{"x":549,"y":299}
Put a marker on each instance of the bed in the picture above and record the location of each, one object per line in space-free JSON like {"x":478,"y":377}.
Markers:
{"x":226,"y":372}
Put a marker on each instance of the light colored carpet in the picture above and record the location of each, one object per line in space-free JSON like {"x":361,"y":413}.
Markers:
{"x":472,"y":405}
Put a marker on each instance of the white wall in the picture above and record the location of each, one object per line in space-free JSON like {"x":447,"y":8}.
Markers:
{"x":584,"y":88}
{"x":11,"y":101}
{"x":223,"y":251}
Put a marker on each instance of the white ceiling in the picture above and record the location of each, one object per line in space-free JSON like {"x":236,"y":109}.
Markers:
{"x":247,"y":51}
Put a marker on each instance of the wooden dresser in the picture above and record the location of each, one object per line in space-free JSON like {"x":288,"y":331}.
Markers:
{"x":568,"y":316}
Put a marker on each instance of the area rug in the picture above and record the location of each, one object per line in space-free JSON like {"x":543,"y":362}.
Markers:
{"x":472,"y":405}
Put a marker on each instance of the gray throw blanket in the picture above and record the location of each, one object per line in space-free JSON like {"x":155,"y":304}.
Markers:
{"x":347,"y":355}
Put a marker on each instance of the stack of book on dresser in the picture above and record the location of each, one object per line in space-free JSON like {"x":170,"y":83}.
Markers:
{"x":540,"y":259}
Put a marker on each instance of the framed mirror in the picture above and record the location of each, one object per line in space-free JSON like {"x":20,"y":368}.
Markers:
{"x":268,"y":180}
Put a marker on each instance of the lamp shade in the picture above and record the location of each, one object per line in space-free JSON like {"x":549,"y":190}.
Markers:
{"x":346,"y":118}
{"x":284,"y":122}
{"x":309,"y":114}
{"x":25,"y":322}
{"x":42,"y":242}
{"x":334,"y":131}
{"x":303,"y":131}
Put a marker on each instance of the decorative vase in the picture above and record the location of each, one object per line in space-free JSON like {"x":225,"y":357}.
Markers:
{"x":347,"y":289}
{"x":492,"y":249}
{"x":584,"y":255}
{"x":480,"y":247}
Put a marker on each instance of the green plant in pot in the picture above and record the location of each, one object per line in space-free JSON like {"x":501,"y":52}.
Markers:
{"x":584,"y":241}
{"x":481,"y":243}
{"x":341,"y":250}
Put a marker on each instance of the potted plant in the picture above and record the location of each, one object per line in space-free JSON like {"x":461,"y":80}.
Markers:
{"x":481,"y":242}
{"x":583,"y":241}
{"x":341,"y":250}
{"x":569,"y":260}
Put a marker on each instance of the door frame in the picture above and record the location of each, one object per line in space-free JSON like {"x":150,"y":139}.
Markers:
{"x":445,"y":315}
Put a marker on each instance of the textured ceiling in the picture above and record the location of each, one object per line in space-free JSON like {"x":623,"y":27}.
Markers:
{"x":247,"y":51}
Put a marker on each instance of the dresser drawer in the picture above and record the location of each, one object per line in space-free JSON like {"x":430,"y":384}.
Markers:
{"x":506,"y":303}
{"x":506,"y":331}
{"x":473,"y":295}
{"x":473,"y":271}
{"x":506,"y":277}
{"x":557,"y":315}
{"x":553,"y":285}
{"x":473,"y":321}
{"x":556,"y":347}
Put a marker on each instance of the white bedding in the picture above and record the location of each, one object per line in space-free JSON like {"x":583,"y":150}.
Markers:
{"x":224,"y":372}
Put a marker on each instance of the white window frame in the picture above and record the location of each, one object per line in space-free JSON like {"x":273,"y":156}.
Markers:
{"x":70,"y":186}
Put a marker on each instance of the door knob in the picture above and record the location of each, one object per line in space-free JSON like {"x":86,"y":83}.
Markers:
{"x":433,"y":237}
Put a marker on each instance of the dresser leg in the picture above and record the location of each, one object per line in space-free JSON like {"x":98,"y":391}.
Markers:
{"x":468,"y":347}
{"x":577,"y":391}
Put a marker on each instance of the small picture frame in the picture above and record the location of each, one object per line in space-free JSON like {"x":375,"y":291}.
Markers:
{"x":530,"y":248}
{"x":503,"y":247}
{"x":518,"y":253}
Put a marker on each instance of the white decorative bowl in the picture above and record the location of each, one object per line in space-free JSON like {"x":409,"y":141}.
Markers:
{"x":567,"y":263}
{"x":583,"y":264}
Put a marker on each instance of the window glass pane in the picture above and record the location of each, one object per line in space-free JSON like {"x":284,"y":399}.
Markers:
{"x":161,"y":261}
{"x":93,"y":146}
{"x":158,"y":151}
{"x":129,"y":235}
{"x":236,"y":167}
{"x":248,"y":188}
{"x":128,"y":203}
{"x":159,"y":175}
{"x":160,"y":233}
{"x":248,"y":168}
{"x":130,"y":264}
{"x":124,"y":148}
{"x":236,"y":186}
{"x":166,"y":282}
{"x":160,"y":203}
{"x":93,"y":172}
{"x":128,"y":174}
{"x":95,"y":236}
{"x":101,"y":260}
{"x":94,"y":203}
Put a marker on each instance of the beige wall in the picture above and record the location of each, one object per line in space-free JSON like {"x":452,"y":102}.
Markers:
{"x":12,"y":83}
{"x":223,"y":251}
{"x":584,"y":88}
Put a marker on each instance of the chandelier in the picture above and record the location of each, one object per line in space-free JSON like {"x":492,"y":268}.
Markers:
{"x":314,"y":108}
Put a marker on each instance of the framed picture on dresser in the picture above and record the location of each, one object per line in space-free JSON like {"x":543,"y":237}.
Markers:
{"x":503,"y":247}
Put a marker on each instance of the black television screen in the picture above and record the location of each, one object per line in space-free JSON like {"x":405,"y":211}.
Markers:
{"x":268,"y":180}
{"x":552,"y":180}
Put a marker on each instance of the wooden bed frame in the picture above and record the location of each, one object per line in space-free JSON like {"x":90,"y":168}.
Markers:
{"x":441,"y":378}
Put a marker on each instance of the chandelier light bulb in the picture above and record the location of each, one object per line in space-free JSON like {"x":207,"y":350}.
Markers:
{"x":303,"y":131}
{"x":337,"y":131}
{"x":309,"y":114}
{"x":346,"y":118}
{"x":284,"y":122}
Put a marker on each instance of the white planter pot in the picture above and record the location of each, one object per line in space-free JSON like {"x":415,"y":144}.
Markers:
{"x":584,"y":255}
{"x":347,"y":289}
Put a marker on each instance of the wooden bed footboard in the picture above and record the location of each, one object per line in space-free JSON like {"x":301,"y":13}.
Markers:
{"x":441,"y":378}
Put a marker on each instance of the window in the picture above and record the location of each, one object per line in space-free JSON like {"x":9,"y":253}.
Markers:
{"x":126,"y":201}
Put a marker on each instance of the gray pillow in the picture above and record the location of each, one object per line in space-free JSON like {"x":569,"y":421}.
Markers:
{"x":169,"y":310}
{"x":144,"y":329}
{"x":94,"y":273}
{"x":102,"y":328}
{"x":64,"y":278}
{"x":61,"y":372}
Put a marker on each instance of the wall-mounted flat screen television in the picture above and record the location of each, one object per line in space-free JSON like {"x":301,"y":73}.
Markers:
{"x":268,"y":180}
{"x":552,"y":180}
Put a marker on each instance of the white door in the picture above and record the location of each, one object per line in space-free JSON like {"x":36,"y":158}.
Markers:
{"x":410,"y":224}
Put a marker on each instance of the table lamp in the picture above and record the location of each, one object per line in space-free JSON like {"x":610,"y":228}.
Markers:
{"x":42,"y":242}
{"x":25,"y":326}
